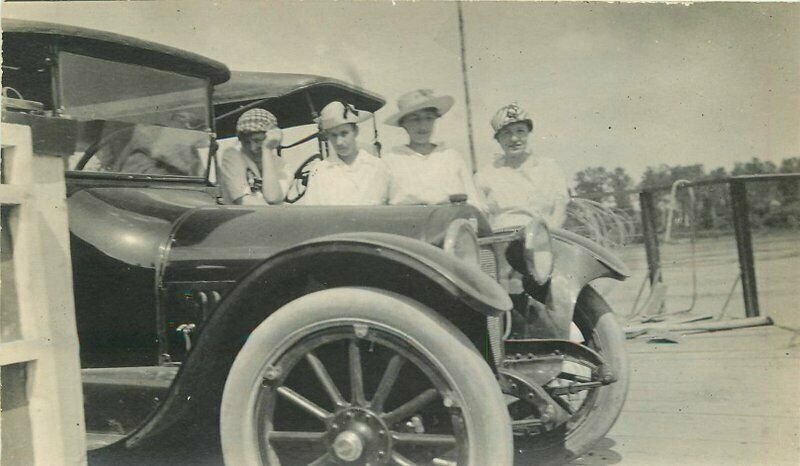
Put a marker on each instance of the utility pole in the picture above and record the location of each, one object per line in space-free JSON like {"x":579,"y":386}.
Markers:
{"x":462,"y":41}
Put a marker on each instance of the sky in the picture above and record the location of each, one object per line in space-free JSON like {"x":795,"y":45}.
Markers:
{"x":630,"y":85}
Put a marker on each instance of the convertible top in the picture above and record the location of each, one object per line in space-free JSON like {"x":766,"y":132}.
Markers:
{"x":290,"y":97}
{"x":119,"y":47}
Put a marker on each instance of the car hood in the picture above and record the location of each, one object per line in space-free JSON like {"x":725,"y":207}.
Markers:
{"x":218,"y":243}
{"x":186,"y":233}
{"x":131,"y":225}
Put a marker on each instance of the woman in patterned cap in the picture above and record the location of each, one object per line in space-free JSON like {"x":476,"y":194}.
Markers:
{"x":520,"y":182}
{"x":251,"y":172}
{"x":426,"y":172}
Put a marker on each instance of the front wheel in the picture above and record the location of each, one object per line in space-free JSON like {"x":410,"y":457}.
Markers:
{"x":593,"y":412}
{"x":360,"y":376}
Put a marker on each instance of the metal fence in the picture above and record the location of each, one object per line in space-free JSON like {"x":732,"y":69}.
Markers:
{"x":697,"y":243}
{"x":735,"y":205}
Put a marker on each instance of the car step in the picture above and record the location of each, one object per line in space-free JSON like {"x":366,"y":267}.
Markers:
{"x":117,"y":399}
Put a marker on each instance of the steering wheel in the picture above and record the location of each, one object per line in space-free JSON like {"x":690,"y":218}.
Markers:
{"x":512,"y":214}
{"x":107,"y":139}
{"x":299,"y":184}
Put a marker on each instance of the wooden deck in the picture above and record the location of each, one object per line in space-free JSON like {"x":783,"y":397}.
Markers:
{"x":724,"y":398}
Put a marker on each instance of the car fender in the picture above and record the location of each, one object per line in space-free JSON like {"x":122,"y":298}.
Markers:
{"x":578,"y":261}
{"x":465,"y":281}
{"x":460,"y":291}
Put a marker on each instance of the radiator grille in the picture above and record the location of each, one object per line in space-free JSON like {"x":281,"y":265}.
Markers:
{"x":495,"y":328}
{"x":489,"y":262}
{"x":494,"y":325}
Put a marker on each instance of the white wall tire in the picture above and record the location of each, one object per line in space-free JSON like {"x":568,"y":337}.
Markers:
{"x":375,"y":326}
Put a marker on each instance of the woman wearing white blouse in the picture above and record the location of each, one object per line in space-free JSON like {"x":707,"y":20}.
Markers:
{"x":350,"y":176}
{"x":424,"y":172}
{"x":520,"y":183}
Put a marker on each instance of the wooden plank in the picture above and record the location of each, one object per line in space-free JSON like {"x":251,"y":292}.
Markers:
{"x":43,"y":284}
{"x":679,"y":327}
{"x":17,"y":154}
{"x":59,"y":432}
{"x":14,"y":194}
{"x":14,"y":352}
{"x":30,"y":272}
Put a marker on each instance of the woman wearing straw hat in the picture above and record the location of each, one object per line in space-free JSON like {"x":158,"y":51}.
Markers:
{"x":424,"y":172}
{"x":520,"y":182}
{"x":352,"y":176}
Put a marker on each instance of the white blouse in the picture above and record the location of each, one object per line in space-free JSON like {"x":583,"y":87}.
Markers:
{"x":333,"y":182}
{"x":537,"y":186}
{"x":430,"y":179}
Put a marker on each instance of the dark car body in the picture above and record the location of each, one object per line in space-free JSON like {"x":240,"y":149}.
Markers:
{"x":154,"y":252}
{"x":168,"y":283}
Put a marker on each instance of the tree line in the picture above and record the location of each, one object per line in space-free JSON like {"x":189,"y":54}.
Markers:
{"x":771,"y":203}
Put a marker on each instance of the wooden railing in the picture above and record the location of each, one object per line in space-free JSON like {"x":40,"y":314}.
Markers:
{"x":41,"y":421}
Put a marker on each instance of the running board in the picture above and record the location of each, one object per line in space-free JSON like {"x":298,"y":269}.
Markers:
{"x":117,"y":400}
{"x":95,"y":440}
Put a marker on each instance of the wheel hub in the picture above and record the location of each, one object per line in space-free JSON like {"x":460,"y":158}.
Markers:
{"x":348,"y":446}
{"x":357,"y":434}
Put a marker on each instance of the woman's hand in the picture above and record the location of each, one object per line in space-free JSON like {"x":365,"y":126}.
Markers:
{"x":274,"y":138}
{"x":271,"y":188}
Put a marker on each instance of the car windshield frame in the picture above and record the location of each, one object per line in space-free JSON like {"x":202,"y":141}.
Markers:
{"x":198,"y":97}
{"x":122,"y":101}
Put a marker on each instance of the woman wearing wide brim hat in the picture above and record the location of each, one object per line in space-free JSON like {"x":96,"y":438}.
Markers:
{"x":351,"y":176}
{"x":424,"y":172}
{"x":521,"y":183}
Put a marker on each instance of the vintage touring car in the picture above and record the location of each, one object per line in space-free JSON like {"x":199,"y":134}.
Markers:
{"x":296,"y":334}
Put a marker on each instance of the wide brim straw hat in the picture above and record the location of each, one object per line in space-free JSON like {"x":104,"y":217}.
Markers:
{"x":417,"y":100}
{"x":338,"y":113}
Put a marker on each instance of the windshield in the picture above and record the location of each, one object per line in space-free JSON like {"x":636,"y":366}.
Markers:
{"x":144,"y":120}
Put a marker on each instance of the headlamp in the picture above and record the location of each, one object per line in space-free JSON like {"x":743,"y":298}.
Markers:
{"x":538,"y":250}
{"x":461,"y":241}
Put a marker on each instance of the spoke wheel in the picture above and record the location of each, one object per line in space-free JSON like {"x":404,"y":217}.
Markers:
{"x":352,"y":426}
{"x":355,"y":376}
{"x":593,"y":409}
